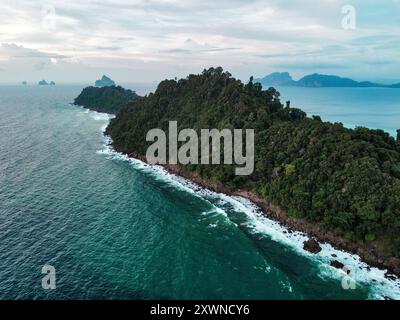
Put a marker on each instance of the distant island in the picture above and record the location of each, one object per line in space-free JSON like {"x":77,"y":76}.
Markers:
{"x":45,"y":83}
{"x":24,"y":83}
{"x":317,"y":81}
{"x":108,"y":99}
{"x":104,"y":82}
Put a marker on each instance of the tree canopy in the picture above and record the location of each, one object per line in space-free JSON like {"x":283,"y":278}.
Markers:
{"x":105,"y":99}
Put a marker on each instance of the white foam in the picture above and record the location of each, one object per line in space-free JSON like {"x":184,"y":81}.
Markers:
{"x":257,"y":222}
{"x":98,"y":116}
{"x":286,"y":286}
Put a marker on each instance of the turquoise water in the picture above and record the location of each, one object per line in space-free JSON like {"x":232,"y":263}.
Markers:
{"x":376,"y":108}
{"x":118,"y":229}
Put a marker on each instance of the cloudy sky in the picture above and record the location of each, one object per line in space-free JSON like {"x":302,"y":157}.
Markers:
{"x":150,"y":40}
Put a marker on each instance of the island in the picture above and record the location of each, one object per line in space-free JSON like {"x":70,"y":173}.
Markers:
{"x":106,"y":99}
{"x":277,"y":79}
{"x":24,"y":83}
{"x":336,"y":184}
{"x":104,"y":82}
{"x":45,"y":83}
{"x":316,"y":80}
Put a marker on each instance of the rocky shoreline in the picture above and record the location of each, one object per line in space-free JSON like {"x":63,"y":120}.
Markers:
{"x":367,"y":252}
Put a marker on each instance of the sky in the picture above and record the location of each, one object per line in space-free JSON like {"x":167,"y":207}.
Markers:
{"x":140,"y":41}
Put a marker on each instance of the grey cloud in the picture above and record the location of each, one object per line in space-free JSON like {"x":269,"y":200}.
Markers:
{"x":301,"y":35}
{"x":188,"y":51}
{"x":108,"y":48}
{"x":16,"y":51}
{"x":288,"y":54}
{"x":177,"y":50}
{"x":41,"y":55}
{"x":219,"y":49}
{"x":323,"y":51}
{"x":310,"y":66}
{"x":375,"y":38}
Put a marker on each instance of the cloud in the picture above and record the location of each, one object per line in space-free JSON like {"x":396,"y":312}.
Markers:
{"x":108,"y":48}
{"x":12,"y":50}
{"x":192,"y":47}
{"x":314,"y":66}
{"x":19,"y":57}
{"x":177,"y":50}
{"x":159,"y":38}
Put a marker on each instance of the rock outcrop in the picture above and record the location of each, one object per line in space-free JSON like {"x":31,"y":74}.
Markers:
{"x":104,"y":82}
{"x":312,"y":246}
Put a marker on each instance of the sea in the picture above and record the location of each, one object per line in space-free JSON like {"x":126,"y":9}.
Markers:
{"x":116,"y":228}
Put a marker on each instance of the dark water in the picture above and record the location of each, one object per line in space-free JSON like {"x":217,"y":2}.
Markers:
{"x":113,"y":229}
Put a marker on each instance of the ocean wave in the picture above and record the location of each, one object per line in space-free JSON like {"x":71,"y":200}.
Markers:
{"x":361,"y":272}
{"x":380,"y":286}
{"x":97,"y":116}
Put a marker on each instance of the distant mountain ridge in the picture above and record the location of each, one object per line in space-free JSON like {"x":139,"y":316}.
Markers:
{"x":317,"y":81}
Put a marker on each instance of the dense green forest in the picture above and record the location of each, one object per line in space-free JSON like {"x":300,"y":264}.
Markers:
{"x":105,"y":99}
{"x":346,"y":180}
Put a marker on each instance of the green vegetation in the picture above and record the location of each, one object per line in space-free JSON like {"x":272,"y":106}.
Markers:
{"x":346,"y":180}
{"x":105,"y":99}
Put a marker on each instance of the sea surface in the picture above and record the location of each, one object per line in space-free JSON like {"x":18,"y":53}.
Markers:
{"x":115,"y":228}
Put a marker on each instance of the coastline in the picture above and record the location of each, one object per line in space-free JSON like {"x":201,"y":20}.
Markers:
{"x":368,"y":253}
{"x":285,"y":229}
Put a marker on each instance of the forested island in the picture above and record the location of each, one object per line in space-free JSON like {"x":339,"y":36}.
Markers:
{"x":340,"y":185}
{"x":107,"y":99}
